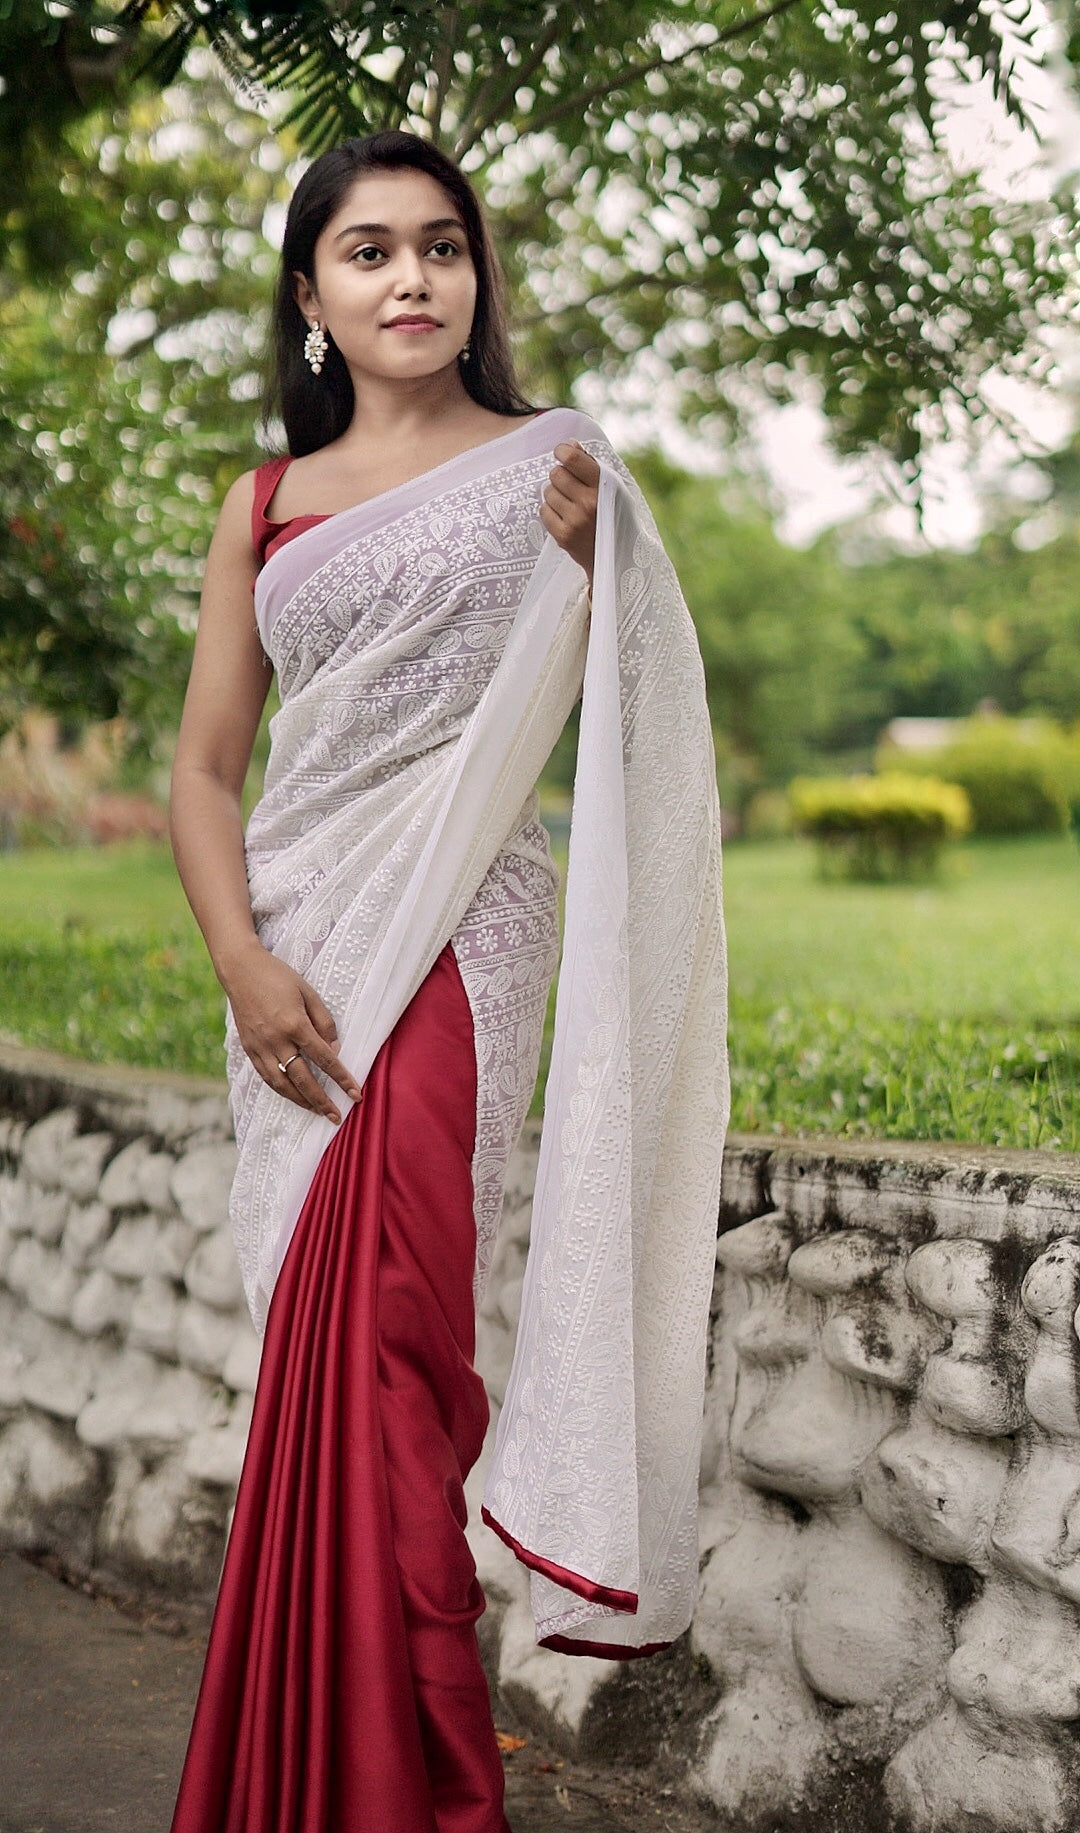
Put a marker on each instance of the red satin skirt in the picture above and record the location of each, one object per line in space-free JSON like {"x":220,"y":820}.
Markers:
{"x":343,"y":1690}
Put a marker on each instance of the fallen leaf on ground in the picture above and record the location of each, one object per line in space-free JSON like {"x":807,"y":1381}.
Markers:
{"x":506,"y":1741}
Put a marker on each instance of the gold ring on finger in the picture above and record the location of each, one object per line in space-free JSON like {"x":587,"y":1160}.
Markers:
{"x":284,"y":1066}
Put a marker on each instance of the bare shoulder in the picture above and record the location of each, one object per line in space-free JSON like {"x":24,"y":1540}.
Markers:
{"x":238,"y":501}
{"x":232,"y":534}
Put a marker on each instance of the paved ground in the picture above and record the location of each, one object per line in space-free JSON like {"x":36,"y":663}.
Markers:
{"x":96,"y":1705}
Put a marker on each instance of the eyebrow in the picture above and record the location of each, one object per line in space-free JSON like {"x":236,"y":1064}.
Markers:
{"x":439,"y":222}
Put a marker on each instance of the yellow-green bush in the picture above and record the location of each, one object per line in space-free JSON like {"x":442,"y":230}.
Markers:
{"x":1022,"y":776}
{"x":880,"y":827}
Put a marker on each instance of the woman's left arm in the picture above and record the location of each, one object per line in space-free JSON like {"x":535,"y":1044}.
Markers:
{"x":568,"y":510}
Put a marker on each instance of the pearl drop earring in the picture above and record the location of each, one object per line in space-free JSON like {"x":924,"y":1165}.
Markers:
{"x":315,"y":346}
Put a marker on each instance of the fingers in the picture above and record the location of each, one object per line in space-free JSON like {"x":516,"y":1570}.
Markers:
{"x":579,"y":463}
{"x":320,"y":1043}
{"x":331,"y":1065}
{"x":320,"y":1016}
{"x":282,"y":1021}
{"x":298,"y":1085}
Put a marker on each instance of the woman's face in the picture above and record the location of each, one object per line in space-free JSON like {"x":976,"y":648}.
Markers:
{"x":395,"y":249}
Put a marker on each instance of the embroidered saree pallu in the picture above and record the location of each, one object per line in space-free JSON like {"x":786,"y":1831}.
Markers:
{"x":429,"y":646}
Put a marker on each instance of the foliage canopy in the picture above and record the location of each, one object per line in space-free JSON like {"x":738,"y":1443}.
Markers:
{"x":746,"y":196}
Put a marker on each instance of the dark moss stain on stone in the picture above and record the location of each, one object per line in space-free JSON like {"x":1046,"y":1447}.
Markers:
{"x":873,"y":1336}
{"x":963,"y":1587}
{"x":791,"y":1508}
{"x":849,"y":1799}
{"x":1010,"y":1259}
{"x":650,"y":1709}
{"x":868,"y":1172}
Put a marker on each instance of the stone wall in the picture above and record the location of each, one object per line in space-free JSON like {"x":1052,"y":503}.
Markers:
{"x":891,"y":1545}
{"x":887,"y":1630}
{"x":127,"y":1359}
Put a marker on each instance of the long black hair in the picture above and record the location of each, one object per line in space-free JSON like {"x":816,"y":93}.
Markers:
{"x":318,"y":408}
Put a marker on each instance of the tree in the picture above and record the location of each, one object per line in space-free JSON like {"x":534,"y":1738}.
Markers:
{"x":756,"y":195}
{"x":781,"y":651}
{"x":128,"y":404}
{"x":942,"y":632}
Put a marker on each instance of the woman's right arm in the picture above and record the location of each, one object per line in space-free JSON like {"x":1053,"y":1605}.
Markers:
{"x":276,"y":1012}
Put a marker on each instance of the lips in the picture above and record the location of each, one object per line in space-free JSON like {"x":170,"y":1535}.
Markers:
{"x":407,"y":322}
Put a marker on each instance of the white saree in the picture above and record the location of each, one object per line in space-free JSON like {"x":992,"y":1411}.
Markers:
{"x":430,"y":645}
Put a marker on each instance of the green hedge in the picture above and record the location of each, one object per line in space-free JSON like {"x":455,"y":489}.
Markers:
{"x":891,"y":826}
{"x":1022,"y":776}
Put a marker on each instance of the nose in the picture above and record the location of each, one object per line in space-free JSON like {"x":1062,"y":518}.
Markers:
{"x":409,"y":277}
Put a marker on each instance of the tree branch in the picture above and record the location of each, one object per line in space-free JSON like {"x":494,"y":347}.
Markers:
{"x":473,"y":128}
{"x":585,"y":97}
{"x":444,"y":68}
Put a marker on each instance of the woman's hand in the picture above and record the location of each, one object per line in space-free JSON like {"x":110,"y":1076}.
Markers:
{"x":568,"y":510}
{"x":278,"y":1016}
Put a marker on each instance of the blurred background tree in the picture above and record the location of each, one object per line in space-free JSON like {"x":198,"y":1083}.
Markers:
{"x":758,"y":196}
{"x":758,"y":192}
{"x":716,"y":201}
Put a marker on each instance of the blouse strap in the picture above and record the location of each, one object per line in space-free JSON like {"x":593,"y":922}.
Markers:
{"x":266,"y":482}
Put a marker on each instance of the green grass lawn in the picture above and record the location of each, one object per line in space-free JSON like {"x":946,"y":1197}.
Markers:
{"x":941,"y":1011}
{"x":945,"y":1011}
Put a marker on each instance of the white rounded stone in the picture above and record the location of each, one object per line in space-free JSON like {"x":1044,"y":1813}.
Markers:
{"x":153,"y":1178}
{"x":204,"y":1337}
{"x":87,"y":1226}
{"x":44,"y":1145}
{"x":216,"y":1456}
{"x":155,"y":1315}
{"x":119,"y":1186}
{"x":26,"y":1267}
{"x":132,"y":1248}
{"x":100,"y":1302}
{"x":153,"y":1520}
{"x":46,"y":1213}
{"x":213,"y":1273}
{"x":201,"y":1183}
{"x":55,"y":1286}
{"x":240,"y":1370}
{"x":43,"y":1458}
{"x":173,"y":1249}
{"x":59,"y":1382}
{"x":124,"y":1384}
{"x":179,"y":1403}
{"x":81,"y":1163}
{"x":14,"y":1196}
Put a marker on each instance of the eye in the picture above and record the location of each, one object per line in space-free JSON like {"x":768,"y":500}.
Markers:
{"x":445,"y":247}
{"x":367,"y":248}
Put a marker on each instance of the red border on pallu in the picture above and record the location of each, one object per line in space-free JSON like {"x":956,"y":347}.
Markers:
{"x":586,"y":1588}
{"x":607,"y":1651}
{"x":561,"y":1575}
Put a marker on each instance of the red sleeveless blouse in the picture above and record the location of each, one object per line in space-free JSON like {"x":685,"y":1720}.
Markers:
{"x":268,"y":536}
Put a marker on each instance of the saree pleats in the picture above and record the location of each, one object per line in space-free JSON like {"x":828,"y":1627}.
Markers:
{"x":343,"y":1687}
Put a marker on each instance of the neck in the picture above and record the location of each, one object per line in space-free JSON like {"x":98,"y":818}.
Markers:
{"x":389,"y":407}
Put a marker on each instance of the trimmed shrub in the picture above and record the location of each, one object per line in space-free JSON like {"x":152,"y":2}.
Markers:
{"x":877,"y":828}
{"x":1022,"y":776}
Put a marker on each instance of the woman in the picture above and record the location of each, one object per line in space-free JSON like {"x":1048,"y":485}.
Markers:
{"x":435,"y":593}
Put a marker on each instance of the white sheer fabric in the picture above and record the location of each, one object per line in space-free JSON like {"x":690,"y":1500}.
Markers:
{"x":429,"y":647}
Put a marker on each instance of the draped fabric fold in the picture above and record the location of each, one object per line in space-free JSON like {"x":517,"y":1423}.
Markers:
{"x":429,"y":647}
{"x":343,"y":1685}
